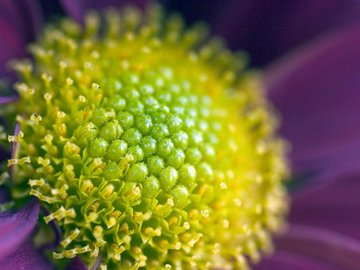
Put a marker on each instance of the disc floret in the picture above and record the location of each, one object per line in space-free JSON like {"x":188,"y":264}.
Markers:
{"x":148,"y":145}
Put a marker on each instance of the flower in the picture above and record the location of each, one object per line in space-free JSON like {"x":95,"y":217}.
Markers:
{"x":327,"y":162}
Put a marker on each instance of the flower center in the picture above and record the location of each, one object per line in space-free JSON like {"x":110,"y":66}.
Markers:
{"x":148,"y":144}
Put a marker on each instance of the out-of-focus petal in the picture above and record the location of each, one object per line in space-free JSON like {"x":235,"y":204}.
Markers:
{"x":285,"y":260}
{"x":20,"y":21}
{"x":56,"y":230}
{"x":25,"y":257}
{"x":76,"y":264}
{"x":15,"y":228}
{"x":9,"y":99}
{"x":335,"y":206}
{"x":267,"y":29}
{"x":77,"y":8}
{"x":4,"y":195}
{"x":322,"y":248}
{"x":317,"y":91}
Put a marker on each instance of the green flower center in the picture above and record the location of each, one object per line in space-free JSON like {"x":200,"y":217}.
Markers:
{"x":149,"y":144}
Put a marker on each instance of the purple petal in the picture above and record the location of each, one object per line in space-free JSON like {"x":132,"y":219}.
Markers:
{"x":20,"y":21}
{"x":285,"y":260}
{"x":56,"y":230}
{"x":16,"y":227}
{"x":76,"y":264}
{"x":77,"y":8}
{"x":317,"y":91}
{"x":326,"y":246}
{"x":4,"y":195}
{"x":5,"y":100}
{"x":321,"y":248}
{"x":335,"y":206}
{"x":267,"y":29}
{"x":25,"y":257}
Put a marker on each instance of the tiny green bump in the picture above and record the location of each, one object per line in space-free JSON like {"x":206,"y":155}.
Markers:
{"x":159,"y":116}
{"x":151,"y":187}
{"x":117,"y":150}
{"x":212,"y":138}
{"x":155,"y":165}
{"x":189,"y":123}
{"x":130,"y":93}
{"x":111,"y":131}
{"x":135,"y":107}
{"x":194,"y":99}
{"x":159,"y":131}
{"x":216,"y":126}
{"x":99,"y":118}
{"x":117,"y":102}
{"x":182,"y":101}
{"x":151,"y":105}
{"x":132,"y":136}
{"x":180,"y":139}
{"x":115,"y":84}
{"x":195,"y":138}
{"x":205,"y":172}
{"x":165,"y":147}
{"x":148,"y":145}
{"x":136,"y":152}
{"x":208,"y":152}
{"x":178,"y":110}
{"x":137,"y":173}
{"x":174,"y":123}
{"x":144,"y":123}
{"x":174,"y":88}
{"x":165,"y":97}
{"x":146,"y":90}
{"x":192,"y":112}
{"x":193,"y":155}
{"x":187,"y":175}
{"x":126,"y":119}
{"x":176,"y":158}
{"x":98,"y":148}
{"x":112,"y":171}
{"x":180,"y":196}
{"x":205,"y":112}
{"x":168,"y":178}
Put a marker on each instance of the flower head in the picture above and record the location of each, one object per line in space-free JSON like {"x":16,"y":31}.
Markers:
{"x":314,"y":87}
{"x":148,"y":144}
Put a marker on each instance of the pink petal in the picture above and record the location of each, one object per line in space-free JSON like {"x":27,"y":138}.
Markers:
{"x":317,"y":91}
{"x":15,"y":228}
{"x":25,"y":257}
{"x":77,"y":8}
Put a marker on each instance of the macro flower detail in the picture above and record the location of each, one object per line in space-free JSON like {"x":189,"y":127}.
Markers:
{"x":149,"y":144}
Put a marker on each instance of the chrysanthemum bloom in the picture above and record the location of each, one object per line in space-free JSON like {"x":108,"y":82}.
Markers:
{"x":297,"y":240}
